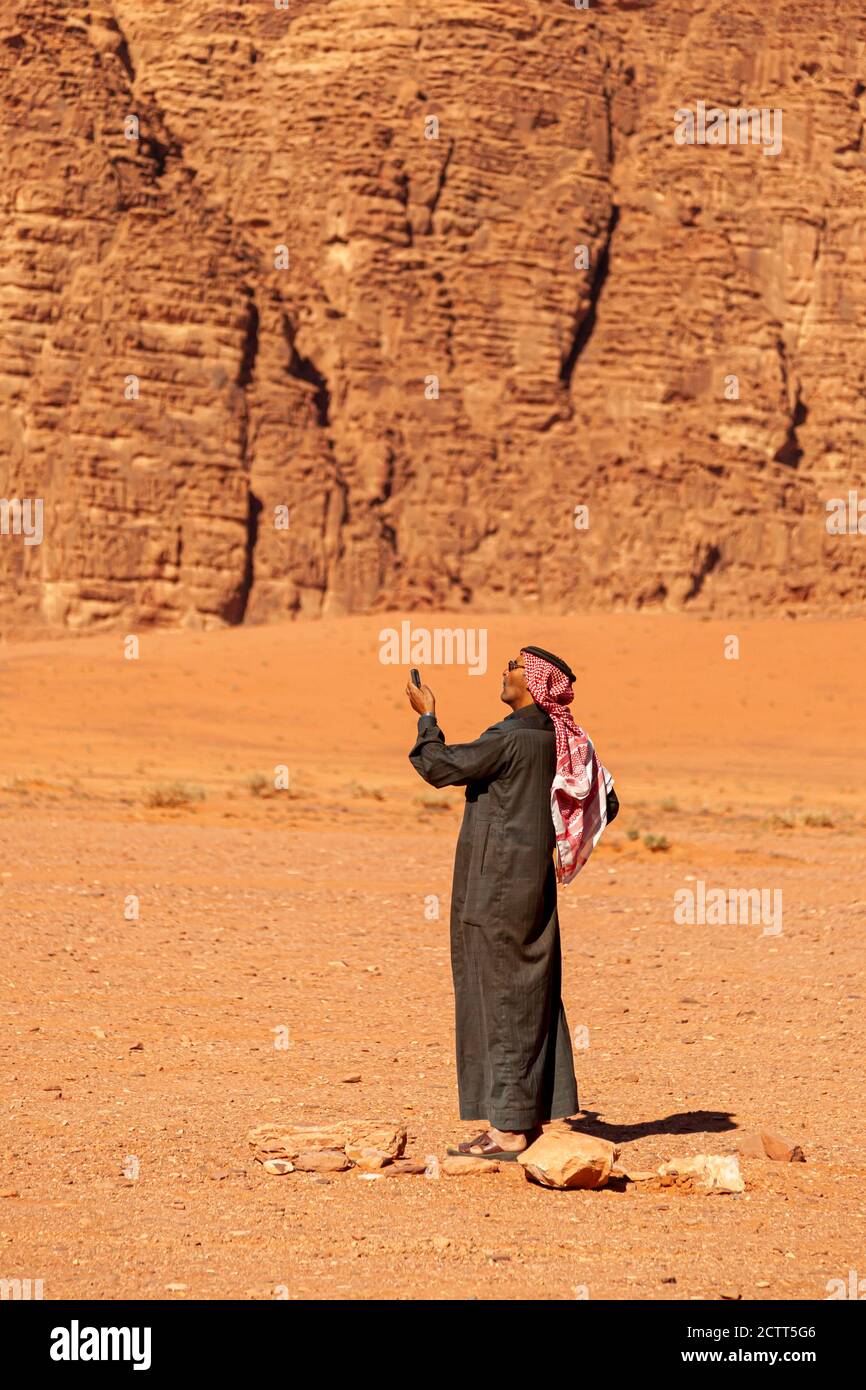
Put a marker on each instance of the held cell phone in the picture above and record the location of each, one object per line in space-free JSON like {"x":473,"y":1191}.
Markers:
{"x":416,"y":676}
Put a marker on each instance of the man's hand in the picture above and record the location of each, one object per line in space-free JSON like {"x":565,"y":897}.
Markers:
{"x":421,"y":698}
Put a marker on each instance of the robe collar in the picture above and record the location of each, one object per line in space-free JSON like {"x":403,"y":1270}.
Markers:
{"x":527,"y":709}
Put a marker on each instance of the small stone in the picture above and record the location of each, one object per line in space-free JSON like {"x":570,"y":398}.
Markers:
{"x":441,"y":1242}
{"x":780,"y":1149}
{"x":633,"y":1174}
{"x":98,"y":1033}
{"x":9,"y":1192}
{"x":367,"y":1158}
{"x":176,"y":1288}
{"x":350,"y":1080}
{"x":277,"y":1167}
{"x":322,"y":1161}
{"x":456,"y":1166}
{"x":750,"y":1146}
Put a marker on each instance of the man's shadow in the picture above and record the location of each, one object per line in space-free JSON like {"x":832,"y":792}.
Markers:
{"x":683,"y":1122}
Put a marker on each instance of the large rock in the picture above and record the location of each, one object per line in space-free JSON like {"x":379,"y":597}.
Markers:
{"x":695,"y":379}
{"x":382,"y":1141}
{"x":712,"y":1172}
{"x":564,"y":1158}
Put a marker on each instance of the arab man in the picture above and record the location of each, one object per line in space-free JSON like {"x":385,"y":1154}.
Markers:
{"x":537,"y":801}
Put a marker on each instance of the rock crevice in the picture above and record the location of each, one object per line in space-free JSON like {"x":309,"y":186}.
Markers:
{"x":425,"y":383}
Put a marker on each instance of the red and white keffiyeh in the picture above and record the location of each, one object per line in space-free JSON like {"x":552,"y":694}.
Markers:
{"x":578,"y":793}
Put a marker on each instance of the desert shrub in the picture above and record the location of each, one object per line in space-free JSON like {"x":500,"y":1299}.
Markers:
{"x":173,"y":795}
{"x":374,"y":793}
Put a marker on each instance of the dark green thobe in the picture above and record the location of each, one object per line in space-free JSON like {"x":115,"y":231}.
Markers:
{"x":514,"y":1060}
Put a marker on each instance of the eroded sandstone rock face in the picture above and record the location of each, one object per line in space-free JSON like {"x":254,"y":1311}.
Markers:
{"x":336,"y":274}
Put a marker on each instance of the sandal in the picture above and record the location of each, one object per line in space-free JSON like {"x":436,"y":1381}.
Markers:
{"x":489,"y":1149}
{"x":462,"y":1150}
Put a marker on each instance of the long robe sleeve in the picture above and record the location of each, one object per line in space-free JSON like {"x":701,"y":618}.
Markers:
{"x":455,"y":764}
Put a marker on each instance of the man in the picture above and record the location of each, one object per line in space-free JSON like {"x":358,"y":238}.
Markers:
{"x":533,"y":785}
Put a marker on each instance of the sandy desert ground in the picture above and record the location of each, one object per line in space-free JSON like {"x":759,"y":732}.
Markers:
{"x":148,"y":1045}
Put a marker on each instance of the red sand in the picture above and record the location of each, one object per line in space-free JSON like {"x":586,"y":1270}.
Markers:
{"x":305,"y":911}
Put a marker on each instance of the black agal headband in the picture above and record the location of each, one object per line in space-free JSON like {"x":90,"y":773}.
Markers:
{"x":554,"y":661}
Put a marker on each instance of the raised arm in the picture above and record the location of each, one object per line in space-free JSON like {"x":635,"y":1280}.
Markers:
{"x":451,"y":765}
{"x":454,"y":764}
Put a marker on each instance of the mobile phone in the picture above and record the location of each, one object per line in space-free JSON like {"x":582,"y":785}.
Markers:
{"x":416,"y":676}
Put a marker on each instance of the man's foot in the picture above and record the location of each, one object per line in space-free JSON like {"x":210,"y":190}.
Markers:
{"x":497,"y":1143}
{"x":494,"y":1140}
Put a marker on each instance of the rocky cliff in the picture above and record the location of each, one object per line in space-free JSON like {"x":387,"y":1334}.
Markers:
{"x":352,"y":304}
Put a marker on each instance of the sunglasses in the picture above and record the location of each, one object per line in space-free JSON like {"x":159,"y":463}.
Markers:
{"x":516,"y":666}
